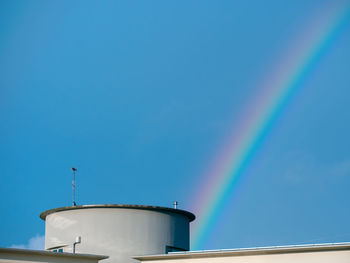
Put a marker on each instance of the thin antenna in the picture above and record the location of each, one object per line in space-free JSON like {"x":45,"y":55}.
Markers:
{"x":73,"y":185}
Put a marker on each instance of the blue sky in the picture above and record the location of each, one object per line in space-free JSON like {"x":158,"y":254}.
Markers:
{"x":140,"y":96}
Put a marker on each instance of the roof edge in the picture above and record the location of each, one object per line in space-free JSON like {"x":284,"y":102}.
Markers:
{"x":189,"y":215}
{"x":248,"y":251}
{"x":4,"y":250}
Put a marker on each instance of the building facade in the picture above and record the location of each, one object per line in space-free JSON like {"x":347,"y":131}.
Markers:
{"x":148,"y":234}
{"x":119,"y":231}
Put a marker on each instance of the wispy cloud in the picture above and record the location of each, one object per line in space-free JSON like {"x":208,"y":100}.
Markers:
{"x":36,"y":243}
{"x":340,"y":169}
{"x":301,"y":168}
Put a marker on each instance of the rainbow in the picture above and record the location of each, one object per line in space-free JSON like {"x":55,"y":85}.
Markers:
{"x":276,"y":91}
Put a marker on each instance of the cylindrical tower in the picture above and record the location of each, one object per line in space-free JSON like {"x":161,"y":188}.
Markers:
{"x":117,"y":231}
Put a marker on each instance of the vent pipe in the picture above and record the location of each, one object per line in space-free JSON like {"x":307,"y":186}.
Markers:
{"x":77,"y":241}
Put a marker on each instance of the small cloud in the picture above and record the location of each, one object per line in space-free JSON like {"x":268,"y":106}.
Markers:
{"x":340,"y":169}
{"x":35,"y":243}
{"x":18,"y":246}
{"x":301,"y":168}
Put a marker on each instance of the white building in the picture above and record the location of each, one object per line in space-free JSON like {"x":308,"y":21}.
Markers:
{"x":119,"y":231}
{"x":147,"y":234}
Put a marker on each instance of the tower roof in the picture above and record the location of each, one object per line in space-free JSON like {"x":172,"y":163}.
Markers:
{"x":189,"y":215}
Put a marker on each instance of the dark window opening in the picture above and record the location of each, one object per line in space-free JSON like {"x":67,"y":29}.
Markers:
{"x":57,"y":250}
{"x":173,"y":249}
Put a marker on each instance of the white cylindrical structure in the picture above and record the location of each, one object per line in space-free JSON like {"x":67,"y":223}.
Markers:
{"x":117,"y":231}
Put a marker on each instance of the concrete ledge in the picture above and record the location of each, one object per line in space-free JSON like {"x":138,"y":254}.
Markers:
{"x":248,"y":251}
{"x":26,"y":254}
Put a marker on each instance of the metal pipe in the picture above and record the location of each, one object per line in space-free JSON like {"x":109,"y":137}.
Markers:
{"x":77,"y":241}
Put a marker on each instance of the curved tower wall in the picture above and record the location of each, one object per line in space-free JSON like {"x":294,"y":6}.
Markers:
{"x":119,"y":232}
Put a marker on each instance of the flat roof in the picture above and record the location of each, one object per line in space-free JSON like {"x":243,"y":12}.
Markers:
{"x":189,"y":215}
{"x":19,"y":251}
{"x":247,"y":251}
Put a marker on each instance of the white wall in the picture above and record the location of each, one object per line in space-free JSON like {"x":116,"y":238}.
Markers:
{"x":118,"y":233}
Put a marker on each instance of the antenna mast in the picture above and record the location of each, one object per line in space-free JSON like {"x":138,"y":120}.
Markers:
{"x":73,"y":185}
